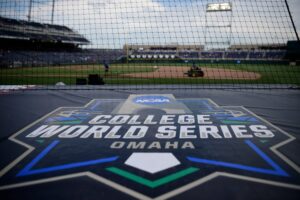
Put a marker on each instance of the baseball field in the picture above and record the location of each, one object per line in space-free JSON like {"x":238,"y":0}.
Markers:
{"x":155,"y":73}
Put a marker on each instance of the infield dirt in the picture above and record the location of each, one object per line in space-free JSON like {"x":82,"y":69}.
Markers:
{"x":209,"y":73}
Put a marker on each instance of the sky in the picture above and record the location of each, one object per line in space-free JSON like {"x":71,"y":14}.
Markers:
{"x":113,"y":23}
{"x":295,"y":9}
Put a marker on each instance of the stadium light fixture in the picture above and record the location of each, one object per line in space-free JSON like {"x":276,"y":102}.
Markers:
{"x":215,"y":7}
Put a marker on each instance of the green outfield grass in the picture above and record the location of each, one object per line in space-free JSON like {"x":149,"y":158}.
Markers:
{"x":270,"y":74}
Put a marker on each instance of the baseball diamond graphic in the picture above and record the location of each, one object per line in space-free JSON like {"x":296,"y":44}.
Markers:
{"x":151,"y":147}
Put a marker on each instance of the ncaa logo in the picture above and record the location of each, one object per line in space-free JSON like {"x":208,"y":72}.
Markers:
{"x":150,"y":100}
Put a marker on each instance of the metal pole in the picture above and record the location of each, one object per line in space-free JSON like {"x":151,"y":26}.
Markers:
{"x":291,"y":17}
{"x":231,"y":19}
{"x":29,"y":12}
{"x":205,"y":31}
{"x":52,"y":16}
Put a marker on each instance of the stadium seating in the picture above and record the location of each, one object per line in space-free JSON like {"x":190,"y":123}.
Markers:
{"x":256,"y":55}
{"x":38,"y":58}
{"x":21,"y":29}
{"x":236,"y":55}
{"x":275,"y":55}
{"x":33,"y":58}
{"x":189,"y":55}
{"x":219,"y":55}
{"x":212,"y":55}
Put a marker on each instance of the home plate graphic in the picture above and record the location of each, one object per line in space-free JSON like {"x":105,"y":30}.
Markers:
{"x":153,"y":147}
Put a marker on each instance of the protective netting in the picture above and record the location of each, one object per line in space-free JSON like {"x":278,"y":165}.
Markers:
{"x":148,"y":43}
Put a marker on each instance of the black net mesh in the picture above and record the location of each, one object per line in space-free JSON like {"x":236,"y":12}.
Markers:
{"x":98,"y":44}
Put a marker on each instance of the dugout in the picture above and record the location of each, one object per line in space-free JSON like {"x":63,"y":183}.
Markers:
{"x":293,"y":51}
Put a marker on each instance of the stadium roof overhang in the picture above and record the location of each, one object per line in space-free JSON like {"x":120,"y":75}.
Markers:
{"x":13,"y":37}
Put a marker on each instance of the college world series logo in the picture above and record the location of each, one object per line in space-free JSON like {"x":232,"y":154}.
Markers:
{"x":151,"y":147}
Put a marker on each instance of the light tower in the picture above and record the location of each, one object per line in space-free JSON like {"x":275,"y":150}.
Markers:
{"x":218,"y":25}
{"x":30,"y":9}
{"x":52,"y":14}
